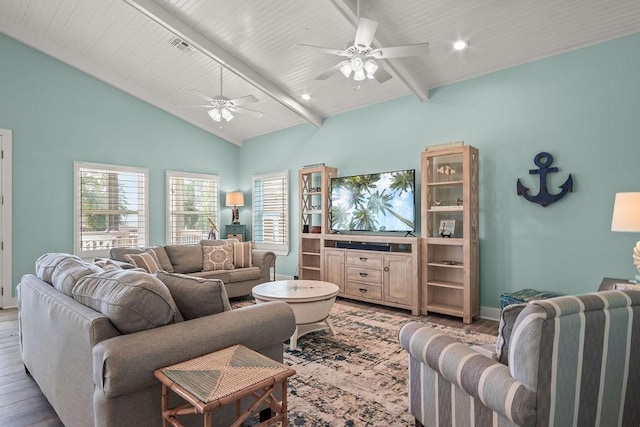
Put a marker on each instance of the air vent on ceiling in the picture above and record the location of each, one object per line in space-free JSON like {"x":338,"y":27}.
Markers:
{"x":183,"y":45}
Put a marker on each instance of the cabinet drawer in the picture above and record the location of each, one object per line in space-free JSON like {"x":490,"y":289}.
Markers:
{"x":234,"y":236}
{"x":364,"y":259}
{"x":367,"y":275}
{"x":364,"y":290}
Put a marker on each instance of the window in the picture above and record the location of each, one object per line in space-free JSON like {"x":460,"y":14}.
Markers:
{"x":192,"y":203}
{"x":271,"y":212}
{"x":110,"y":208}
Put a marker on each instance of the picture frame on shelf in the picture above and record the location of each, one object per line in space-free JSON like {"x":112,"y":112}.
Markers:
{"x":447,"y":227}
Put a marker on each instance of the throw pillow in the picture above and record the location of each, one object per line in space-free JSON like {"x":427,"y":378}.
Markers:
{"x":63,"y":270}
{"x":507,"y":319}
{"x":107,"y":264}
{"x":132,"y":300}
{"x":185,"y":258}
{"x":147,"y":260}
{"x":242,"y":255}
{"x":217,"y":257}
{"x":195,"y":296}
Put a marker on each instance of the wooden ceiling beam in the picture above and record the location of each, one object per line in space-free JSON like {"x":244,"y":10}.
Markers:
{"x":171,"y":23}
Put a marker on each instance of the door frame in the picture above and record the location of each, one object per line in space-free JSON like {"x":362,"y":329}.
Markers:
{"x":6,"y":141}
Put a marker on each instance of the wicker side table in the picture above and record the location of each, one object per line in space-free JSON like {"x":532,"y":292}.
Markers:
{"x":225,"y":376}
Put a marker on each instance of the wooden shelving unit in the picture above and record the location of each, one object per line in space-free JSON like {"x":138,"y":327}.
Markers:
{"x":450,"y":232}
{"x":314,"y":195}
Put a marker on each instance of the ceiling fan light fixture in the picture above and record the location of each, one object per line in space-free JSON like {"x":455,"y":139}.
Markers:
{"x":346,"y":69}
{"x":215,"y":114}
{"x":226,"y":114}
{"x":370,"y":67}
{"x":359,"y":75}
{"x":357,"y":64}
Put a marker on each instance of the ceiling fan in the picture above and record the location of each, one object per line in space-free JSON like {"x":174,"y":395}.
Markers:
{"x":223,"y":108}
{"x":361,"y":57}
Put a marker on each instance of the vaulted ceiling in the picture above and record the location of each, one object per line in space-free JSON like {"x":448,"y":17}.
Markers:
{"x":166,"y":51}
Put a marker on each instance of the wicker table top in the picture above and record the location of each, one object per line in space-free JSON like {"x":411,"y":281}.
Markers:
{"x":223,"y":375}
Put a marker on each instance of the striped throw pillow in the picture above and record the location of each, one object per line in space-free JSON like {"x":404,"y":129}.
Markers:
{"x":242,"y":255}
{"x":146,"y":260}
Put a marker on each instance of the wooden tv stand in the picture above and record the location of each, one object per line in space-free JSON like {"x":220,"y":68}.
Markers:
{"x":377,"y":269}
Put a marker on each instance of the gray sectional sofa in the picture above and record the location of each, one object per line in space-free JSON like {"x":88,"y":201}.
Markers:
{"x":188,"y":259}
{"x":92,"y":337}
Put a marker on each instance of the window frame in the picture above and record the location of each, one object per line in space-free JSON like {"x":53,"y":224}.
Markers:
{"x":278,"y":249}
{"x":169,"y":215}
{"x":78,"y":166}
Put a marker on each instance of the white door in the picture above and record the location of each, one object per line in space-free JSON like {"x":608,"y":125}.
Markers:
{"x":7,"y":299}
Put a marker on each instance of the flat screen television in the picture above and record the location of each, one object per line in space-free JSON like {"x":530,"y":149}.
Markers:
{"x":374,"y":202}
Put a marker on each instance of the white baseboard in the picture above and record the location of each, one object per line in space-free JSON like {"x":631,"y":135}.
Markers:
{"x":490,"y":313}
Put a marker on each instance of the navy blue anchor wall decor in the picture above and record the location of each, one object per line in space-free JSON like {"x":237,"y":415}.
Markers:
{"x":544,"y":198}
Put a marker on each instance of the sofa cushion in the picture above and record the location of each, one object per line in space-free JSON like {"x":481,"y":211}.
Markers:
{"x":132,"y":300}
{"x":217,"y":257}
{"x":213,"y":274}
{"x":507,"y":320}
{"x":119,"y":254}
{"x":63,"y":270}
{"x":242,"y":274}
{"x":185,"y":258}
{"x":242,"y":254}
{"x":146,"y":260}
{"x":194,"y":296}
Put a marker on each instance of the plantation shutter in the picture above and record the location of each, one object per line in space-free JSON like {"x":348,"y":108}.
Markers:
{"x":110,"y":208}
{"x":271,"y":212}
{"x":192,"y":206}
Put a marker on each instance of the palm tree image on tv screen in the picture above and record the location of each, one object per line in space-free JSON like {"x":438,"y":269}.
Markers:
{"x":374,"y":202}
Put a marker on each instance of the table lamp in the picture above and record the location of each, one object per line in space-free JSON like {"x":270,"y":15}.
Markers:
{"x":235,"y":199}
{"x":626,"y":217}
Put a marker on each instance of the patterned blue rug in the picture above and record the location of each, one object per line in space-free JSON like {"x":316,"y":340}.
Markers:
{"x":357,"y":377}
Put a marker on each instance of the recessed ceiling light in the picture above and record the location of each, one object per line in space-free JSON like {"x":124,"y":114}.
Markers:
{"x":460,"y":45}
{"x":306,"y":96}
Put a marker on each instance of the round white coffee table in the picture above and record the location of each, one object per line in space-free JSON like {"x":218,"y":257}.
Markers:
{"x":311,"y":301}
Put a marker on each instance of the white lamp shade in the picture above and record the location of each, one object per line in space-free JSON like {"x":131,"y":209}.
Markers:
{"x":235,"y":198}
{"x":626,"y":212}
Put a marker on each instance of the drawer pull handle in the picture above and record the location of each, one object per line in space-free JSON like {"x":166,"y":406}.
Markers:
{"x":363,"y":290}
{"x":386,"y":269}
{"x":363,"y":259}
{"x":363,"y":274}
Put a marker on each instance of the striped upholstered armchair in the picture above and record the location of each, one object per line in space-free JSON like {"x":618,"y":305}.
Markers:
{"x":571,"y":361}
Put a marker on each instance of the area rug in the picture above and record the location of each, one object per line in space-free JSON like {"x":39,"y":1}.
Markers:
{"x":357,"y":377}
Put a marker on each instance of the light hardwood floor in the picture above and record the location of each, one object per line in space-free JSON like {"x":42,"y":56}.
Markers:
{"x":22,"y":403}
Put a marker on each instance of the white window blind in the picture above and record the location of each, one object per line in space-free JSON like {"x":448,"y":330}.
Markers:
{"x":271,"y":212}
{"x":193,"y":200}
{"x":110,"y":208}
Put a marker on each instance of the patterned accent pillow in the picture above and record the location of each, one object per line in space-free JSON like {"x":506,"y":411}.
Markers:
{"x":242,"y":255}
{"x":217,"y":257}
{"x":146,"y":260}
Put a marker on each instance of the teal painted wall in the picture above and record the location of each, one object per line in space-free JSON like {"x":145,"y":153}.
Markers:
{"x":59,"y":115}
{"x":582,"y":107}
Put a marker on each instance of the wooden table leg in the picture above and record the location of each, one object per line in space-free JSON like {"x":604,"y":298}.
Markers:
{"x":164,"y":405}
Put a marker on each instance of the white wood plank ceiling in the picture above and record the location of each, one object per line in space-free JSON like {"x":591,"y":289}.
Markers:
{"x":127,"y":43}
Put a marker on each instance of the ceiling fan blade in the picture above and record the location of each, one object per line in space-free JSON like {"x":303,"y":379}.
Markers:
{"x":208,"y":98}
{"x":329,"y":72}
{"x":247,"y":112}
{"x":196,"y":106}
{"x":399,"y":51}
{"x":243,"y":100}
{"x":381,"y":75}
{"x":366,"y":31}
{"x":329,"y":50}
